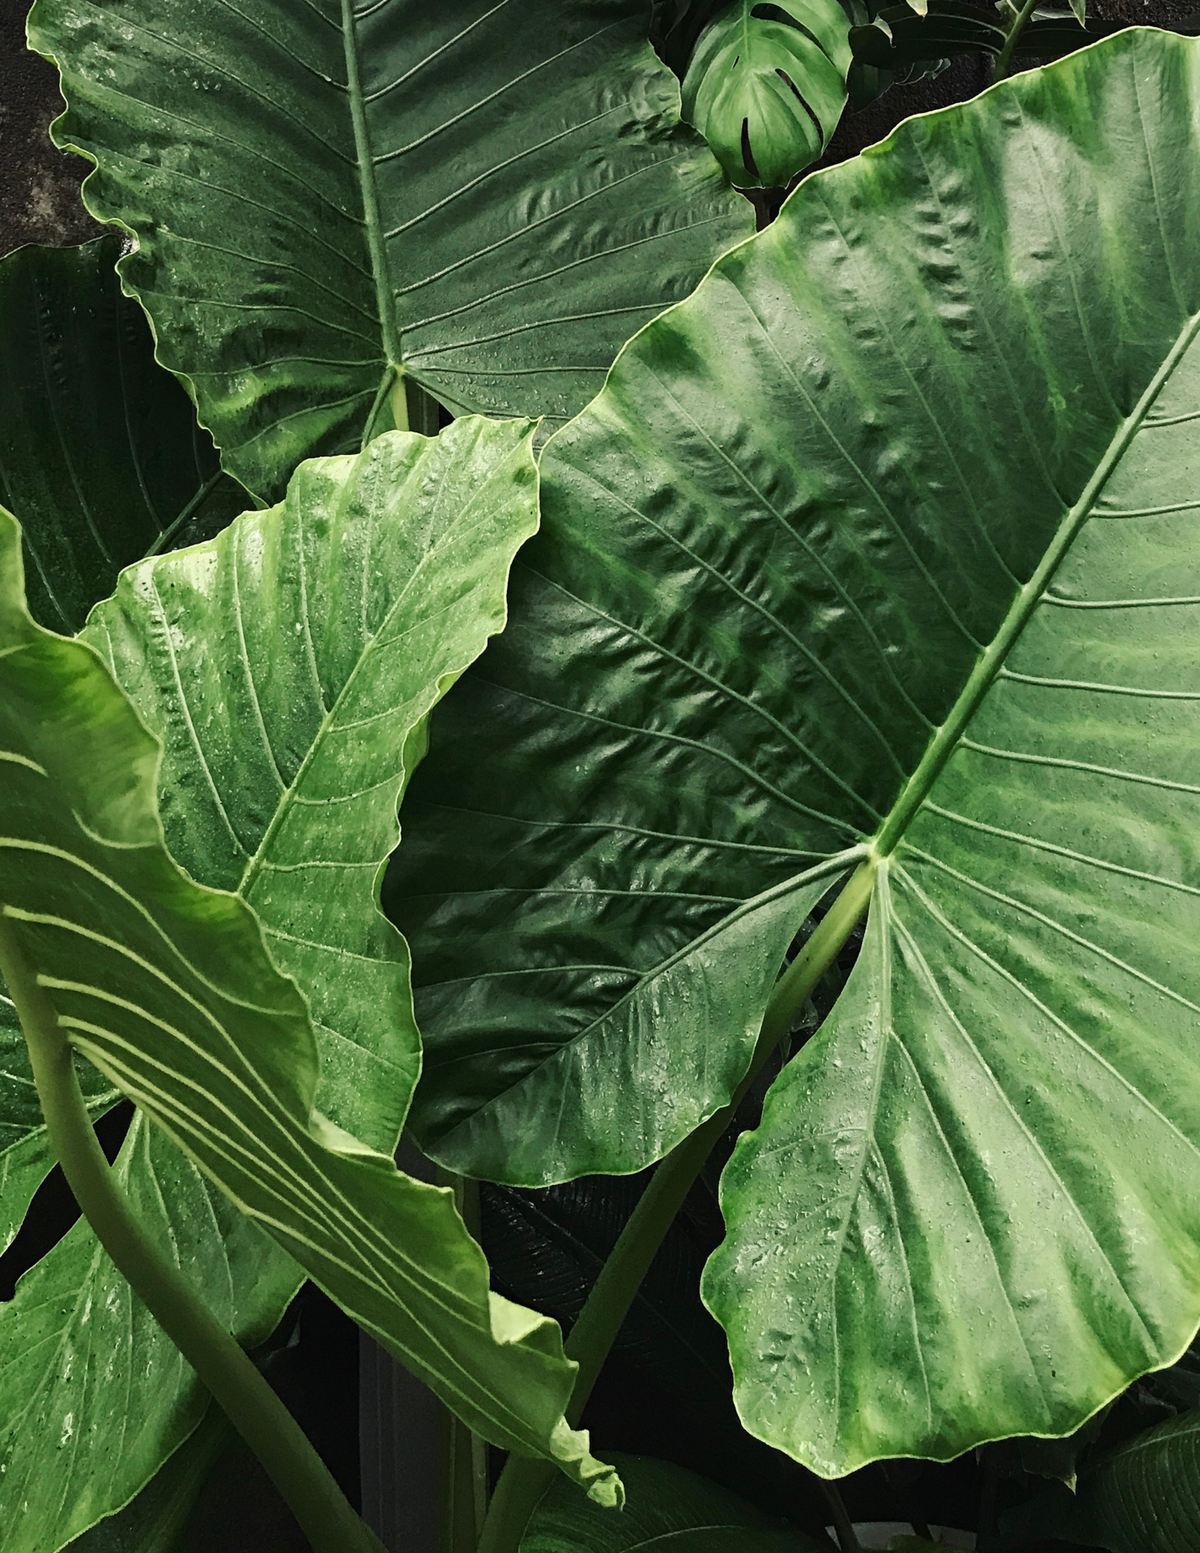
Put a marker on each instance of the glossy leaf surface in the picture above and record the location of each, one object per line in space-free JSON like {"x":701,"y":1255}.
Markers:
{"x":491,"y":195}
{"x":767,"y":85}
{"x":888,"y":534}
{"x":95,"y":1395}
{"x":167,"y":987}
{"x":665,"y":1506}
{"x":285,"y":665}
{"x":100,"y":454}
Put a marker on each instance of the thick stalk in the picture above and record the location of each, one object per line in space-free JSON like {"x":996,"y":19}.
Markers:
{"x":252,"y":1407}
{"x":524,"y":1481}
{"x":1004,"y":58}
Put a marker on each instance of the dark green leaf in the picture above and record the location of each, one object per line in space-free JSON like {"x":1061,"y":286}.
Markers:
{"x":665,"y":1506}
{"x":1145,"y":1496}
{"x":491,"y":195}
{"x":886,"y":537}
{"x":100,"y":454}
{"x":767,"y":85}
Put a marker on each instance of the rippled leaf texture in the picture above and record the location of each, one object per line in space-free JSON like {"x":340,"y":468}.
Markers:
{"x":766,"y":87}
{"x":167,"y":987}
{"x":491,"y":194}
{"x":95,"y":1395}
{"x":665,"y":1506}
{"x":100,"y":454}
{"x":891,"y":529}
{"x":285,"y":665}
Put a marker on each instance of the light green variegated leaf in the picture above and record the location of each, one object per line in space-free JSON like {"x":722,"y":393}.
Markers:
{"x":766,"y":86}
{"x":167,"y":987}
{"x":491,"y":195}
{"x":100,"y":455}
{"x":95,"y":1395}
{"x":665,"y":1507}
{"x":285,"y":665}
{"x":887,"y":536}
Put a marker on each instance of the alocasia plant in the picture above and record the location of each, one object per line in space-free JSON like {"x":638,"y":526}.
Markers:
{"x":883,"y":540}
{"x":488,"y":197}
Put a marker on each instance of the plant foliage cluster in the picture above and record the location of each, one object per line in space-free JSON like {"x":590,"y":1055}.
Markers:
{"x":781,"y":651}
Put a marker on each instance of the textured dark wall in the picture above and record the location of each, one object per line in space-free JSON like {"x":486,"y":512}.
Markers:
{"x":39,"y":186}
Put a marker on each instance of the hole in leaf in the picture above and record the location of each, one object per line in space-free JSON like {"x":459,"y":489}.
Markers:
{"x":747,"y":154}
{"x":804,"y":104}
{"x":52,"y":1209}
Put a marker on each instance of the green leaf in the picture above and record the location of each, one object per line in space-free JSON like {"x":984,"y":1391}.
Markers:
{"x":766,"y":87}
{"x":665,"y":1506}
{"x":285,"y":665}
{"x":154,"y":1521}
{"x":1145,"y":1496}
{"x":95,"y":1395}
{"x":100,"y":455}
{"x":886,"y":536}
{"x":492,"y":196}
{"x":168,"y":988}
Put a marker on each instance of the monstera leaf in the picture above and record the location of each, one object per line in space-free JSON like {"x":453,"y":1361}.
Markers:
{"x":665,"y":1506}
{"x":167,"y":986}
{"x":885,"y":539}
{"x":767,"y":85}
{"x":488,"y":197}
{"x":100,"y":454}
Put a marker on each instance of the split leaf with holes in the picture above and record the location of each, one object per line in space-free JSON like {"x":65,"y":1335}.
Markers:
{"x":168,"y":988}
{"x":491,"y":196}
{"x":887,"y":538}
{"x":766,"y":86}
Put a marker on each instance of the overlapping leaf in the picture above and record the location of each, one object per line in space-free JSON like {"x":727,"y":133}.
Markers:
{"x":666,"y":1507}
{"x":100,"y":454}
{"x":888,"y":535}
{"x":285,"y":665}
{"x":491,"y":195}
{"x":766,"y":86}
{"x":168,"y":988}
{"x":95,"y":1394}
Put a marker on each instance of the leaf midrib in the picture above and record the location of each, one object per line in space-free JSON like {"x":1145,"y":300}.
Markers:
{"x":384,"y":301}
{"x":946,"y":738}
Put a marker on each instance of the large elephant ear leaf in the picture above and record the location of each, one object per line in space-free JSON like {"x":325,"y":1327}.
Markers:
{"x":167,"y":987}
{"x":490,"y":197}
{"x":100,"y":454}
{"x":810,"y":578}
{"x":766,"y":87}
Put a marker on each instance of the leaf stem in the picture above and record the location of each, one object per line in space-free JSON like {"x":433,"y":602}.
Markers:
{"x":1004,"y":58}
{"x":524,"y":1480}
{"x":270,"y":1431}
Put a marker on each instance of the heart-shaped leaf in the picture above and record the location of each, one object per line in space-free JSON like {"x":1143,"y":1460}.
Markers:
{"x":100,"y":454}
{"x":167,"y":986}
{"x":490,"y":196}
{"x":767,"y":85}
{"x":887,"y":536}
